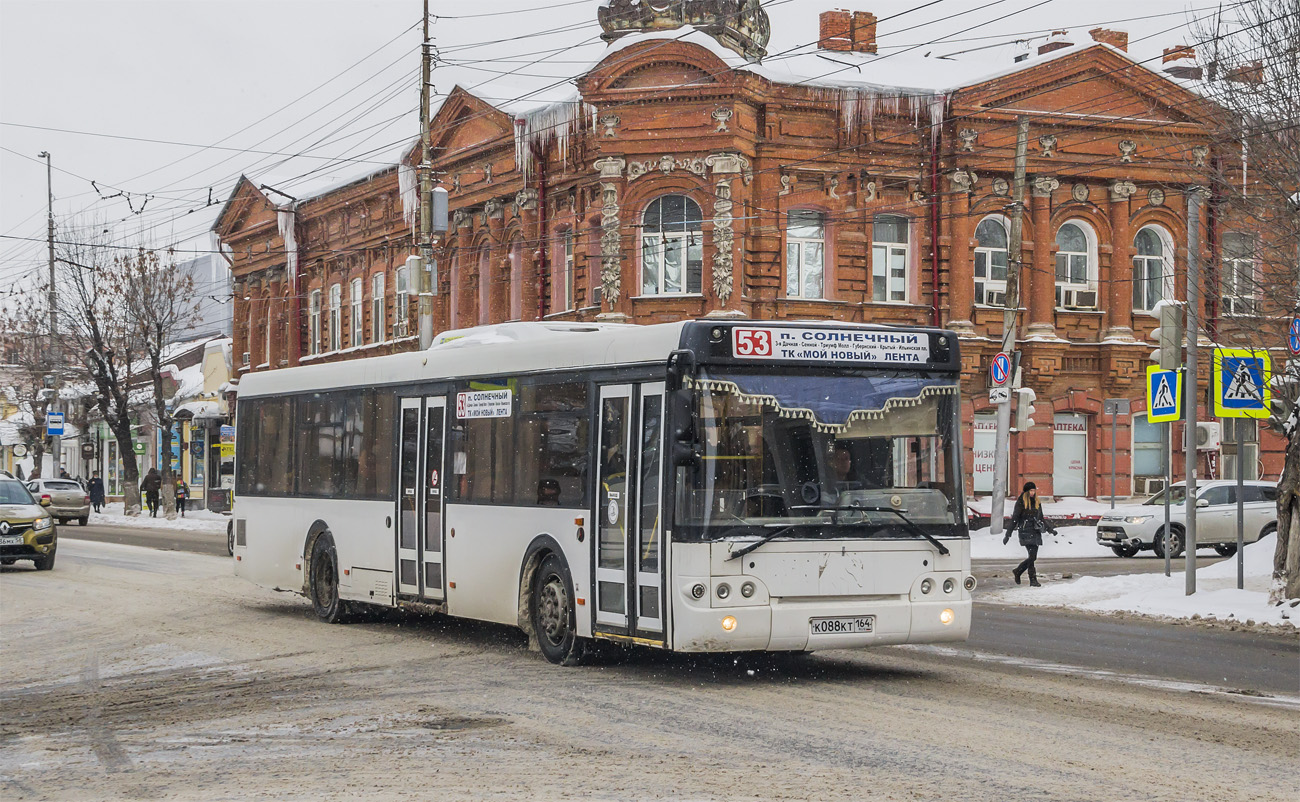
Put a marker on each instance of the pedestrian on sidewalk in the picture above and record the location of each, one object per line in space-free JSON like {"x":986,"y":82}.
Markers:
{"x":1028,"y":520}
{"x":96,"y":491}
{"x":182,"y":493}
{"x":151,"y":485}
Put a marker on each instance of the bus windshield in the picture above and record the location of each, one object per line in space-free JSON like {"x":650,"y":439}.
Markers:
{"x":852,"y":455}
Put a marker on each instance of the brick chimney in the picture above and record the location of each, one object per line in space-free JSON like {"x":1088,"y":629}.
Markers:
{"x":1252,"y":73}
{"x":864,"y":32}
{"x":1116,"y":39}
{"x":1179,"y":52}
{"x":1057,"y":41}
{"x":836,"y":30}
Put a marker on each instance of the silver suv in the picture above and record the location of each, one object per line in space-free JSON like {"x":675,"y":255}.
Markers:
{"x":1129,"y":528}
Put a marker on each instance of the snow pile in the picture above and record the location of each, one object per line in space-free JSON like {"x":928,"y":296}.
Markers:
{"x":1075,"y":542}
{"x":194,"y":520}
{"x":1216,"y":594}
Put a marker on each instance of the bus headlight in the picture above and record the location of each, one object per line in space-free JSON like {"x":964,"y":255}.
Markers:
{"x":729,"y":623}
{"x":927,"y":585}
{"x":724,"y":590}
{"x":747,"y":589}
{"x":698,"y":590}
{"x":946,"y":617}
{"x":949,"y":586}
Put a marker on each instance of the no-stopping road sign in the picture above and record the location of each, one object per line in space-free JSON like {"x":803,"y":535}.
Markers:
{"x":1000,"y":370}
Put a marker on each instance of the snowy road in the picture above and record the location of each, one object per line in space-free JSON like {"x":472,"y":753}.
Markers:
{"x":140,"y":674}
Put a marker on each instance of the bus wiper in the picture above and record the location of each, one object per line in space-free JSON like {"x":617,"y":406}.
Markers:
{"x":910,"y":524}
{"x":764,"y":539}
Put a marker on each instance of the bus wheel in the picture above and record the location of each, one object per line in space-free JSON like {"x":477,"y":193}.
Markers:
{"x":554,"y":618}
{"x":325,"y":583}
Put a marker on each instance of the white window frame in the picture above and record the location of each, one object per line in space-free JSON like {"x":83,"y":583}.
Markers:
{"x":796,"y":249}
{"x":1235,"y":271}
{"x":1250,"y":447}
{"x":989,"y":284}
{"x":378,"y":309}
{"x":1068,"y":292}
{"x":881,"y":268}
{"x":401,"y":302}
{"x":567,"y":276}
{"x":1143,"y":264}
{"x":313,"y":322}
{"x":686,"y":242}
{"x":336,"y":317}
{"x":356,"y":314}
{"x":1158,"y":446}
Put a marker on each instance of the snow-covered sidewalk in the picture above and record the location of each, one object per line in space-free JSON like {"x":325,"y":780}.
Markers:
{"x":194,"y":520}
{"x":1216,"y":594}
{"x":1071,"y":542}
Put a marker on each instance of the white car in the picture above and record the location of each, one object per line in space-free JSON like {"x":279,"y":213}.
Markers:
{"x":1130,"y":528}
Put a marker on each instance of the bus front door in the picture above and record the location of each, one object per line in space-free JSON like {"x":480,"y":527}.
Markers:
{"x":629,"y":544}
{"x":420,"y":499}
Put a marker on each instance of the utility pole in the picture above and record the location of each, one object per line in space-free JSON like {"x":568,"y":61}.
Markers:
{"x":56,"y":357}
{"x":1191,"y":391}
{"x":425,"y":277}
{"x":1011,"y":308}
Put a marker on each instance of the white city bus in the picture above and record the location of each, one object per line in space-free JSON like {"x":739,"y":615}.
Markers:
{"x":699,"y":486}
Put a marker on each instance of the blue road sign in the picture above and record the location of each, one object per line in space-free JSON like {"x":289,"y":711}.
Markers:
{"x":1293,"y":342}
{"x":54,"y":424}
{"x":1164,"y":394}
{"x":1000,"y":370}
{"x":1241,"y":383}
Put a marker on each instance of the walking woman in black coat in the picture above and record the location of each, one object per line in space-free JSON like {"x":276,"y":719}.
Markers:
{"x":1028,"y":519}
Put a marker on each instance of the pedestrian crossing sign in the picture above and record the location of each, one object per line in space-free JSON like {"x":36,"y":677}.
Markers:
{"x":1164,"y":394}
{"x":1240,"y":381}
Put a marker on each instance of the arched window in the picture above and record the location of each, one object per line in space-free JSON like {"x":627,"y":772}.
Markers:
{"x":336,"y":317}
{"x":805,"y":254}
{"x":672,"y":247}
{"x":401,"y":302}
{"x":991,"y":262}
{"x":313,"y":323}
{"x":1152,"y":268}
{"x":889,"y":258}
{"x":1076,"y":249}
{"x":378,"y":309}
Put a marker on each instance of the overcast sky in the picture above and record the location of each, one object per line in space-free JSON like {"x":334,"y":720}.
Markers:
{"x":265,"y":79}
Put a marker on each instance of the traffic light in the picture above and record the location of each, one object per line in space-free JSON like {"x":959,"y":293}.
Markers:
{"x":1025,"y":399}
{"x":1169,"y":334}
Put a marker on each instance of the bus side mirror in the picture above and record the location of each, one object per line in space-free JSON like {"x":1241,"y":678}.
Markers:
{"x":682,"y":414}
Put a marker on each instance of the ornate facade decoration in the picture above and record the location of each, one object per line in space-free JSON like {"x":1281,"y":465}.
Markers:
{"x":1079,"y":192}
{"x":834,"y":185}
{"x":1127,"y":148}
{"x":665,"y":164}
{"x":968,"y":137}
{"x":964,"y":180}
{"x":1156,"y":196}
{"x":787,"y":185}
{"x":494,"y":209}
{"x":721,"y":115}
{"x":611,"y":244}
{"x":1199,"y":154}
{"x":1001,"y":187}
{"x":1122,"y":190}
{"x":1048,"y":144}
{"x":455,"y":183}
{"x":487,"y":172}
{"x":727,"y":163}
{"x":610,"y":121}
{"x":462,"y":219}
{"x":610,"y":166}
{"x":1045,"y":185}
{"x":723,"y":241}
{"x":740,"y":25}
{"x":869,"y":190}
{"x":526,"y":199}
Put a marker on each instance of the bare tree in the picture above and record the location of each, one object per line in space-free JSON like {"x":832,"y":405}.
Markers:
{"x":97,"y":329}
{"x":160,"y":304}
{"x":1251,"y":70}
{"x":29,"y":369}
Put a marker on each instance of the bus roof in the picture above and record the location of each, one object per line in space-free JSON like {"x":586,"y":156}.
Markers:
{"x":507,"y":348}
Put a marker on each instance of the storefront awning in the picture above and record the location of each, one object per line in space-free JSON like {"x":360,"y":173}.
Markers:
{"x":198,"y":410}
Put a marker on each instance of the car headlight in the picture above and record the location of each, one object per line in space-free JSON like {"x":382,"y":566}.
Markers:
{"x":1138,"y":519}
{"x":42,"y":524}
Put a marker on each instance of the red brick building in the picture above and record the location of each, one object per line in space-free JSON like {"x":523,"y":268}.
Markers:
{"x":690,"y":176}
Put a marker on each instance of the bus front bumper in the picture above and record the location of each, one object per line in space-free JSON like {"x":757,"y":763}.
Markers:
{"x":816,"y":624}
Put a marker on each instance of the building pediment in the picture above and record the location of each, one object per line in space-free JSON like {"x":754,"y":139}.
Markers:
{"x":1093,"y":83}
{"x":657,"y":65}
{"x":464,"y":122}
{"x":245,"y":200}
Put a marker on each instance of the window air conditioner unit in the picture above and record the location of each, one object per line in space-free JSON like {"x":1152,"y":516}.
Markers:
{"x":1149,"y":485}
{"x":1077,"y":299}
{"x":247,"y":359}
{"x":1207,"y":436}
{"x":995,"y":298}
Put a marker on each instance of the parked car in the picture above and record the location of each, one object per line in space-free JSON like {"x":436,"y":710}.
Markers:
{"x":68,"y":500}
{"x":1130,"y":528}
{"x":27,"y":530}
